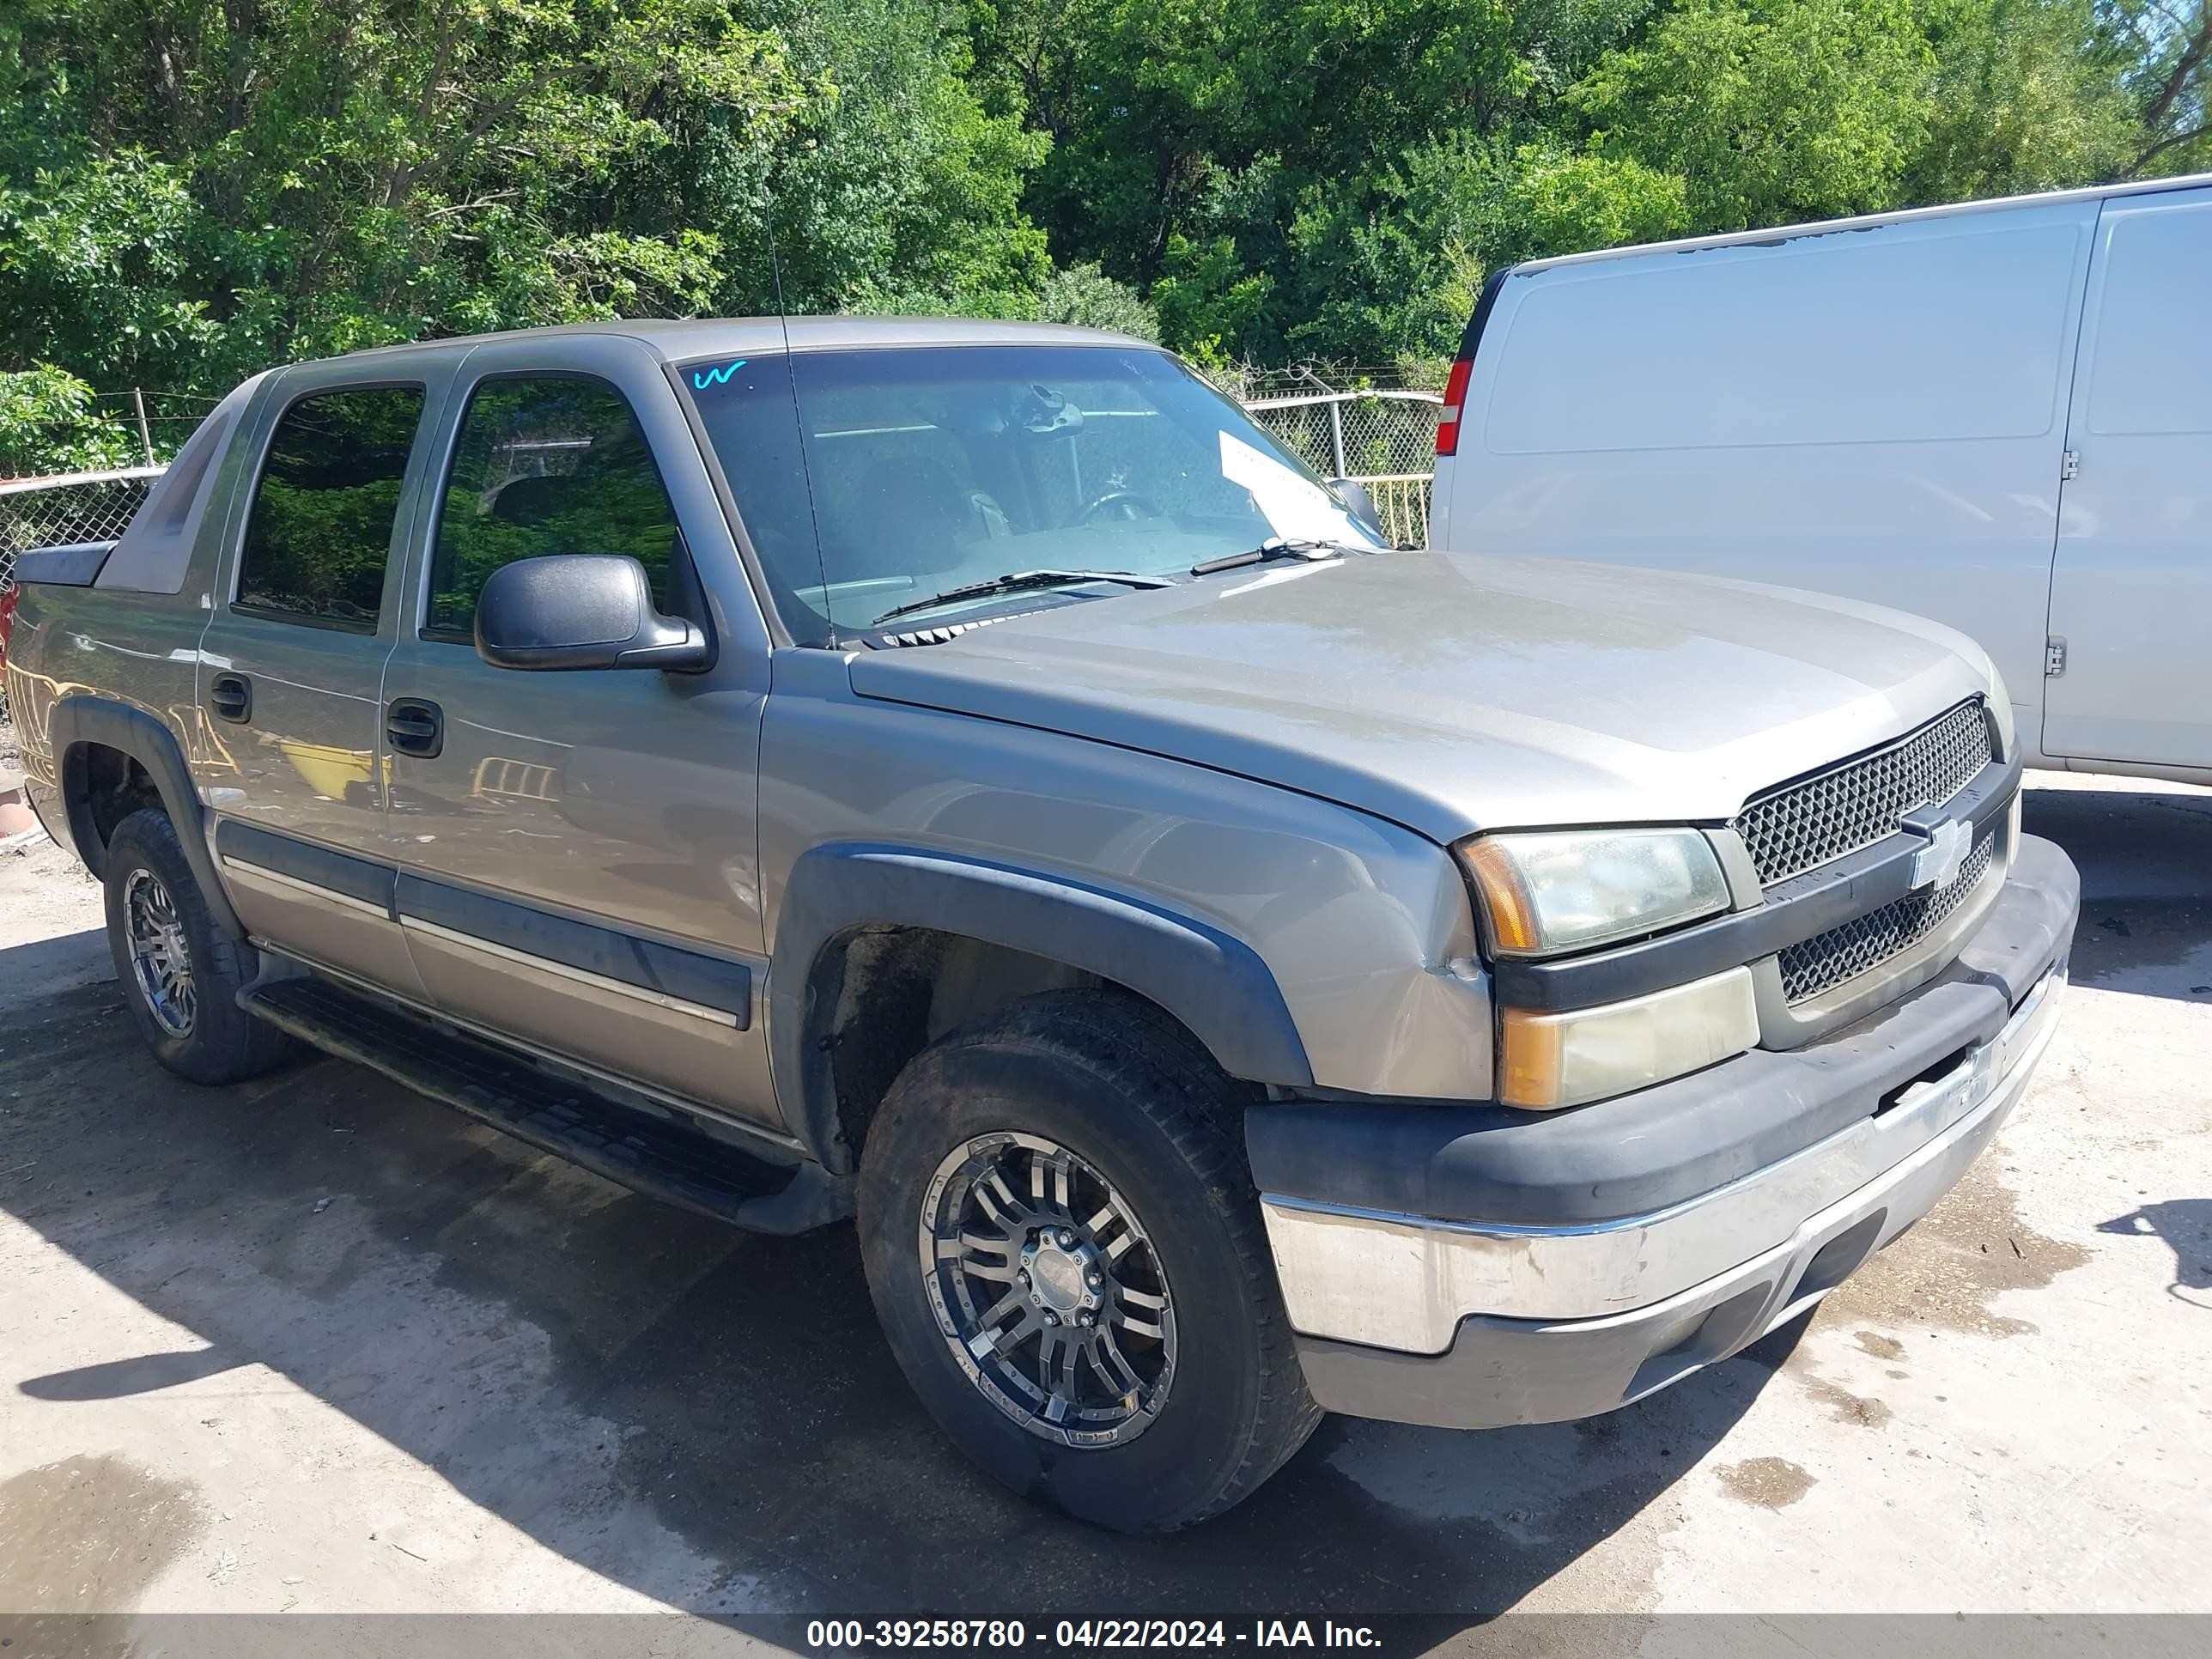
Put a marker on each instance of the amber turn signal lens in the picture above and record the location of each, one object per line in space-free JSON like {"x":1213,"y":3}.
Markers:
{"x":1505,"y":901}
{"x":1528,"y":1054}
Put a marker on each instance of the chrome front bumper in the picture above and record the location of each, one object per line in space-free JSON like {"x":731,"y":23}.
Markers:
{"x":1466,"y":1325}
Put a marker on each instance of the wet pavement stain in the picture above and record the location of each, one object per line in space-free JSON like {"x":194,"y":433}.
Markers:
{"x":81,"y":1543}
{"x":1848,"y":1407}
{"x":1771,"y":1483}
{"x":2136,"y":945}
{"x":1946,"y":1270}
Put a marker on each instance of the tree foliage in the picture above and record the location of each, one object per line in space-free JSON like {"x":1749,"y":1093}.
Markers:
{"x":192,"y":189}
{"x":49,"y":423}
{"x":1330,"y":179}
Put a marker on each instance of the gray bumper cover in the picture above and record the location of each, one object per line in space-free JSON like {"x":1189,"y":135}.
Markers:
{"x":1658,"y":1146}
{"x":1463,"y":1323}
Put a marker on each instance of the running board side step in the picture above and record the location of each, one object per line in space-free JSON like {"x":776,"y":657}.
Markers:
{"x":650,"y":1152}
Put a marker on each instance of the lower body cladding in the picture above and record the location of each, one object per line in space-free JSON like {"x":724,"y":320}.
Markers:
{"x":1489,"y":1270}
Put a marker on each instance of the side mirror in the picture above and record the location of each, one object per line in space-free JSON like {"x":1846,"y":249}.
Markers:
{"x":582,"y":610}
{"x":1360,"y":504}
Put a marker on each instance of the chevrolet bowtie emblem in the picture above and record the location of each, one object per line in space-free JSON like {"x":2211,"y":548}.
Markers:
{"x":1937,"y":864}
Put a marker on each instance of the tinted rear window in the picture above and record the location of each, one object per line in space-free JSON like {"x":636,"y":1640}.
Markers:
{"x":320,"y":531}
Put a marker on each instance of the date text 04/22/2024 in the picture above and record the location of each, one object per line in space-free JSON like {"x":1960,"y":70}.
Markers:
{"x":829,"y":1635}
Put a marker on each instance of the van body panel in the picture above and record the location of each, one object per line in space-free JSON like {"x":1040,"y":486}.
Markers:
{"x":1807,"y":412}
{"x":1883,"y":409}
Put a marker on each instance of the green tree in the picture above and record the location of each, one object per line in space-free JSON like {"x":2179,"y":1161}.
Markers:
{"x":1768,"y":110}
{"x":1087,"y":297}
{"x":192,"y":189}
{"x":49,"y":422}
{"x":2025,"y":97}
{"x":2164,"y":49}
{"x":897,"y":189}
{"x":1326,"y":178}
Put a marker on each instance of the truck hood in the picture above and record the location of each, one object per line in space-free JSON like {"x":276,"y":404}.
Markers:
{"x":1454,"y":694}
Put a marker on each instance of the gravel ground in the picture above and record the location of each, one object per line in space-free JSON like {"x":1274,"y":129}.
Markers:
{"x":317,"y":1344}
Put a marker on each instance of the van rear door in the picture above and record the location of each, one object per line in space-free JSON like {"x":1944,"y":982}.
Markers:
{"x":2131,"y":587}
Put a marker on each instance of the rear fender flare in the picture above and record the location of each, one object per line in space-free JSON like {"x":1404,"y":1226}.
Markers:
{"x":1214,"y":983}
{"x":78,"y":720}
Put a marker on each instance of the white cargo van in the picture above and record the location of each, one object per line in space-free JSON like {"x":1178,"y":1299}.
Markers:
{"x":1997,"y":414}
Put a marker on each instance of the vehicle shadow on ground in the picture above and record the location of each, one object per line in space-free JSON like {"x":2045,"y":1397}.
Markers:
{"x":2146,"y":865}
{"x":31,"y":972}
{"x":731,"y":1390}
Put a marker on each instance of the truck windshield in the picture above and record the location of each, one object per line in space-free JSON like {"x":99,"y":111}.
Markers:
{"x":912,"y":471}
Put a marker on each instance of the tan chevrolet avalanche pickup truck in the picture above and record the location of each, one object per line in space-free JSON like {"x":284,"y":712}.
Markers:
{"x":970,"y":780}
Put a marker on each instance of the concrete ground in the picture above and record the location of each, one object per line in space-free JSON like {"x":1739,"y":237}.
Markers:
{"x":316,"y":1344}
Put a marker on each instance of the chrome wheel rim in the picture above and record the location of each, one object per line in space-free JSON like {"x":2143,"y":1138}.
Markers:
{"x":160,"y":961}
{"x":1047,"y":1290}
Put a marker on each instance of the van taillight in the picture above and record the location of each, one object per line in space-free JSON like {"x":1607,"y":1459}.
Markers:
{"x":7,"y":597}
{"x":1455,"y":397}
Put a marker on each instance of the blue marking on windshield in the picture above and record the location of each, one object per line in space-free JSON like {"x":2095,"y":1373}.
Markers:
{"x":702,"y":379}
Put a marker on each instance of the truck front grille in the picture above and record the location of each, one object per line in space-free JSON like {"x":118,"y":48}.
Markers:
{"x":1827,"y":960}
{"x":1803,"y":825}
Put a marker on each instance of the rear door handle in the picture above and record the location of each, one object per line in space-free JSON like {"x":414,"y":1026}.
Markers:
{"x":416,"y":726}
{"x":231,"y":696}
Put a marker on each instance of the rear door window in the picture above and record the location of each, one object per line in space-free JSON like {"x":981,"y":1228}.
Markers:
{"x":319,"y":534}
{"x":547,"y":465}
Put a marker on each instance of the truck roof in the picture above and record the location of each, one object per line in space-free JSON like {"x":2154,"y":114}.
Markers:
{"x":1775,"y":234}
{"x":715,"y":336}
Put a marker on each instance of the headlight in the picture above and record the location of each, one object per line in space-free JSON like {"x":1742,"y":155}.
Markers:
{"x":1569,"y":889}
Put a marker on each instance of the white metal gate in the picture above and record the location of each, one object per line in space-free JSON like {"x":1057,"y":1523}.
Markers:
{"x":1385,"y":440}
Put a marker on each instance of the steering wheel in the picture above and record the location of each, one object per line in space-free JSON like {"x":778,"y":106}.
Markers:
{"x":1131,"y":506}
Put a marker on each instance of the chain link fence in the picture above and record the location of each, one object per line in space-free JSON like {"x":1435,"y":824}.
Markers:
{"x":79,"y":507}
{"x":1385,"y":440}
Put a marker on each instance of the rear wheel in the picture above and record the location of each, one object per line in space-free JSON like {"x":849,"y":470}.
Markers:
{"x":180,"y":974}
{"x":1067,"y":1254}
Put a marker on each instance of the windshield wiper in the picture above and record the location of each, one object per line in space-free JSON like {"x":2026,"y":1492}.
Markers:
{"x":1275,"y":547}
{"x":1015,"y":583}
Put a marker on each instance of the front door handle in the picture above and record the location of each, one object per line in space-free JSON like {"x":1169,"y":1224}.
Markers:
{"x":231,"y":696}
{"x":416,"y":726}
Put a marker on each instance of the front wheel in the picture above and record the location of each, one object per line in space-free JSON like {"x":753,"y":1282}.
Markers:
{"x":1067,"y":1254}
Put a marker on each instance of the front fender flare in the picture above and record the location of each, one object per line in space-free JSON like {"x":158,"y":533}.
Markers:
{"x":1213,"y":982}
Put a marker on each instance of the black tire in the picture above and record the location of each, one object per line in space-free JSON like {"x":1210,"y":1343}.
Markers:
{"x":222,"y":1043}
{"x":1111,"y":1079}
